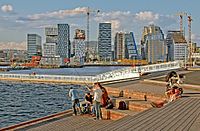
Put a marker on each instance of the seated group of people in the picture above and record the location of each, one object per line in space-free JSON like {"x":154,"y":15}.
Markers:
{"x":88,"y":107}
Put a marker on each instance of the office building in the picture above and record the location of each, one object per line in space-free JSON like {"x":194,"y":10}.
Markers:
{"x":49,"y":49}
{"x":125,"y":46}
{"x":63,"y":45}
{"x":153,"y":44}
{"x":119,"y":47}
{"x":34,"y":46}
{"x":104,"y":42}
{"x":51,"y":34}
{"x":131,"y":51}
{"x":177,"y":46}
{"x":79,"y":46}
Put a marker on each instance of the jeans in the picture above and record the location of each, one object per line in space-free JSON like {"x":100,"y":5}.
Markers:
{"x":74,"y":104}
{"x":97,"y":107}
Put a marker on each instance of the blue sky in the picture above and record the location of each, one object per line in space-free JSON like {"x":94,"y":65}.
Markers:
{"x":19,"y":17}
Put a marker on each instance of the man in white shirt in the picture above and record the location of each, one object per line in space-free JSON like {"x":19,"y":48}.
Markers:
{"x":97,"y":100}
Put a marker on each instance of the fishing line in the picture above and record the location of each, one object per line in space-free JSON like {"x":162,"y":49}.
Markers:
{"x":87,"y":86}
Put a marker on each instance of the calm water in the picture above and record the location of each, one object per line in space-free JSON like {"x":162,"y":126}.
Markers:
{"x":25,"y":101}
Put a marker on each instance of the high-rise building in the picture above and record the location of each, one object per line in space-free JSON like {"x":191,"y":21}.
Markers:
{"x":79,"y":46}
{"x":153,"y":44}
{"x":104,"y":42}
{"x":119,"y":47}
{"x":177,"y":46}
{"x":51,"y":34}
{"x":63,"y":45}
{"x":49,"y":50}
{"x":34,"y":46}
{"x":131,"y":51}
{"x":125,"y":46}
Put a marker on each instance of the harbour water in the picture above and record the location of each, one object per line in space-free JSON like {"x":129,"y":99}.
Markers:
{"x":25,"y":101}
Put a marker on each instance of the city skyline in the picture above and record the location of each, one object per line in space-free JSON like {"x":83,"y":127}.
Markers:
{"x":18,"y":18}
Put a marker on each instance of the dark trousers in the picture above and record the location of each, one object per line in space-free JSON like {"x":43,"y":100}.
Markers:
{"x":74,"y":104}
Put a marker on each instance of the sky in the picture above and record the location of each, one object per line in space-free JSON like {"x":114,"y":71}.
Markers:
{"x":20,"y":17}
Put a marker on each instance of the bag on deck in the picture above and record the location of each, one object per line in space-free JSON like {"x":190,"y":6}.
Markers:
{"x":122,"y":105}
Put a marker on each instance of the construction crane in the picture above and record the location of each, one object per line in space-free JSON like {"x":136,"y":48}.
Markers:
{"x":86,"y":11}
{"x":190,"y":39}
{"x":88,"y":30}
{"x":181,"y":14}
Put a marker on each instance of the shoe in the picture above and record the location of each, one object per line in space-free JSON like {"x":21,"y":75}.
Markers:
{"x":96,"y":119}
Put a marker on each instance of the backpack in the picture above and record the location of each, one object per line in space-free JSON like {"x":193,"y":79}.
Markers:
{"x":122,"y":105}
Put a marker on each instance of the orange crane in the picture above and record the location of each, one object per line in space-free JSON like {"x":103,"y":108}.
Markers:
{"x":181,"y":14}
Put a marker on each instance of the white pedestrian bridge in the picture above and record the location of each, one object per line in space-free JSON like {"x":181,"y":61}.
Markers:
{"x":115,"y":75}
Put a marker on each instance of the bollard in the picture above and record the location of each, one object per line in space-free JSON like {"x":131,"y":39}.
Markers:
{"x":145,"y":97}
{"x":121,"y":93}
{"x":108,"y":114}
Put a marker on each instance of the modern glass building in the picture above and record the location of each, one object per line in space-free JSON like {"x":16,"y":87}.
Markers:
{"x":125,"y":46}
{"x":119,"y":46}
{"x":51,"y":34}
{"x":49,"y":49}
{"x":153,"y":44}
{"x":63,"y":45}
{"x":104,"y":42}
{"x":131,"y":51}
{"x":177,"y":46}
{"x":79,"y":46}
{"x":34,"y":46}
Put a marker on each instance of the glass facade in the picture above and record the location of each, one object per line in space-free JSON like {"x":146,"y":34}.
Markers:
{"x":177,"y":46}
{"x":153,"y":44}
{"x":34,"y":46}
{"x":104,"y":41}
{"x":63,"y":46}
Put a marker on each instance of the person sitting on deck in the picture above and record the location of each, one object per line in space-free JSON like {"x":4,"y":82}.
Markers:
{"x":88,"y":99}
{"x":105,"y":97}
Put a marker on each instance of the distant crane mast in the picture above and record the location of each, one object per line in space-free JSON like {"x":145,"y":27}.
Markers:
{"x":181,"y":14}
{"x":190,"y":39}
{"x":88,"y":30}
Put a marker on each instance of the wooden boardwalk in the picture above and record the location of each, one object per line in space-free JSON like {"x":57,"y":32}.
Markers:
{"x":180,"y":115}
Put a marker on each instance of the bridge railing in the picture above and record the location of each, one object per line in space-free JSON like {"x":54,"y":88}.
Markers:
{"x":159,"y":67}
{"x":125,"y":73}
{"x":59,"y":78}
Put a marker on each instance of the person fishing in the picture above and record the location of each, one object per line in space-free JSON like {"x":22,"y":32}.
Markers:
{"x":73,"y":93}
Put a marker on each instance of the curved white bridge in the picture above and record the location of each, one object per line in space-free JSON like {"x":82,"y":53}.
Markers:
{"x":121,"y":74}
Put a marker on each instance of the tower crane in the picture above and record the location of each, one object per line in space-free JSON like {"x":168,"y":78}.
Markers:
{"x":190,"y":39}
{"x":86,"y":11}
{"x":181,"y":14}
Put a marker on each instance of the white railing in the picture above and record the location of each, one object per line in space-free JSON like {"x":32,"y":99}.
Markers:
{"x":55,"y":78}
{"x":124,"y":73}
{"x":160,"y":67}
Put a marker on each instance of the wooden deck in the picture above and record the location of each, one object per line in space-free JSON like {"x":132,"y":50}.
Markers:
{"x":180,"y":115}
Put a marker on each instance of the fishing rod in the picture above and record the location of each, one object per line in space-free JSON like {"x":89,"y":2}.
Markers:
{"x":87,"y":86}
